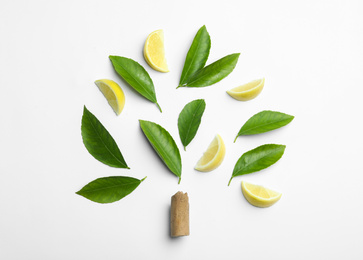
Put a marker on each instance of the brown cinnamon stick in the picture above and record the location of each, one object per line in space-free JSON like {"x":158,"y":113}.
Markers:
{"x":179,"y":215}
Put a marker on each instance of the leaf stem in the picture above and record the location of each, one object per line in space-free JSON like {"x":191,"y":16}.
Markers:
{"x":143,"y":179}
{"x":179,"y":180}
{"x":235,"y":139}
{"x":230,"y":180}
{"x":159,"y":107}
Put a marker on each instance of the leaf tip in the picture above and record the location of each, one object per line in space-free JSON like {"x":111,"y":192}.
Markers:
{"x":230,"y":180}
{"x":143,"y":179}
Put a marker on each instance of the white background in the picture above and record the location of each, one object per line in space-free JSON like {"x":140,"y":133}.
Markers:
{"x":311,"y":54}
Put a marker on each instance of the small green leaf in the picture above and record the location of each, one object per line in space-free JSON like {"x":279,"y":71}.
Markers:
{"x":136,"y":76}
{"x":197,"y":55}
{"x":264,"y":121}
{"x":99,"y":142}
{"x":214,"y":72}
{"x":164,"y":145}
{"x":109,"y":189}
{"x":258,"y":159}
{"x":189,"y":120}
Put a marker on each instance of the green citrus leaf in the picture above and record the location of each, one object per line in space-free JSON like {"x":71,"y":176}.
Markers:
{"x":109,"y":189}
{"x":197,"y":55}
{"x":164,"y":145}
{"x":214,"y":72}
{"x":99,"y":142}
{"x":189,"y":120}
{"x":264,"y":121}
{"x":258,"y":159}
{"x":136,"y":76}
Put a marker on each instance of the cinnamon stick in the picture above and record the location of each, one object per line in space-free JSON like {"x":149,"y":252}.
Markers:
{"x":179,"y":215}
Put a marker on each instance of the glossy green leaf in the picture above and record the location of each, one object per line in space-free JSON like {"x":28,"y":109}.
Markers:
{"x":109,"y":189}
{"x":258,"y":159}
{"x":214,"y":72}
{"x":99,"y":142}
{"x":164,"y":145}
{"x":136,"y":76}
{"x":264,"y":121}
{"x":189,"y":120}
{"x":197,"y":55}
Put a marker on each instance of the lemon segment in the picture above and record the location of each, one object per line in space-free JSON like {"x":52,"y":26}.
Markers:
{"x":259,"y":196}
{"x":154,"y":51}
{"x":113,"y":93}
{"x":213,"y":156}
{"x":247,"y":91}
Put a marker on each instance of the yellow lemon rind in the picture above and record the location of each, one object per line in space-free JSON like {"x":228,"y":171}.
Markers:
{"x":248,"y":94}
{"x":147,"y":56}
{"x":259,"y":201}
{"x":116,"y":104}
{"x":216,"y":161}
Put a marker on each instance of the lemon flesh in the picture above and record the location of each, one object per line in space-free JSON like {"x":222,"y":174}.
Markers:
{"x":213,"y":156}
{"x":259,"y":196}
{"x":154,"y":51}
{"x":113,"y":93}
{"x":247,"y":91}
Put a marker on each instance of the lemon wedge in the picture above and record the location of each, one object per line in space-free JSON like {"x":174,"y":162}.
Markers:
{"x":259,"y":196}
{"x":113,"y":93}
{"x":247,"y":91}
{"x":213,"y":156}
{"x":154,"y":51}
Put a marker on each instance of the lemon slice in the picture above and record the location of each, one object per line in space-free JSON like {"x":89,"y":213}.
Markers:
{"x":154,"y":51}
{"x":259,"y":196}
{"x":213,"y":157}
{"x":247,"y":91}
{"x":113,"y":93}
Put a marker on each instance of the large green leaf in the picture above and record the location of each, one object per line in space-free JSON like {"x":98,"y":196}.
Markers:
{"x":109,"y":189}
{"x":99,"y":142}
{"x":189,"y":120}
{"x":136,"y":76}
{"x":264,"y":121}
{"x":197,"y":55}
{"x":164,"y":145}
{"x":258,"y":159}
{"x":214,"y":72}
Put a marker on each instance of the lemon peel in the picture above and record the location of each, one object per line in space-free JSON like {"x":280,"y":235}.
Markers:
{"x":259,"y":196}
{"x":247,"y":91}
{"x":213,"y":156}
{"x":154,"y":51}
{"x":113,"y":93}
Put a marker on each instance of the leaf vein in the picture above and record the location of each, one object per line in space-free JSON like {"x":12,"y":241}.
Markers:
{"x":192,"y":122}
{"x":108,"y":187}
{"x":266,"y":124}
{"x":100,"y":138}
{"x":150,"y":95}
